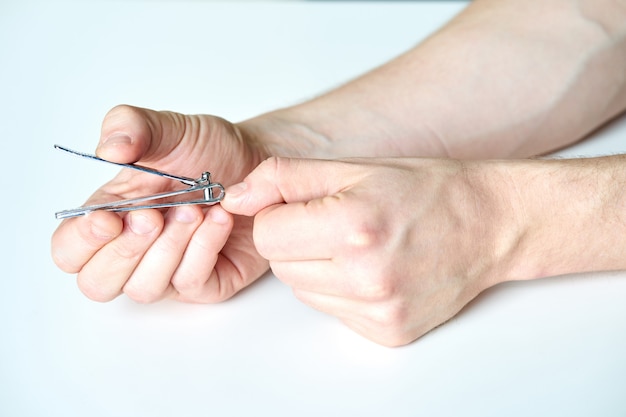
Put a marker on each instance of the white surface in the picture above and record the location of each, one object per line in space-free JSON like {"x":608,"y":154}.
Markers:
{"x":550,"y":348}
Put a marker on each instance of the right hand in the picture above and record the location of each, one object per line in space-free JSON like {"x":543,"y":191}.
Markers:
{"x":191,"y":253}
{"x":392,"y":247}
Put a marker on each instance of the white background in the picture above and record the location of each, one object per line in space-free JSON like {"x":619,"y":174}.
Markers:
{"x":555,"y":347}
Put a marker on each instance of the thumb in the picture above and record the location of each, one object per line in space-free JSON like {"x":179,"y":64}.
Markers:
{"x":283,"y":180}
{"x":130,"y":134}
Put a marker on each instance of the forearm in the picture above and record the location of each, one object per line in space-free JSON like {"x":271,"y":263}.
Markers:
{"x":558,"y":216}
{"x":503,"y":79}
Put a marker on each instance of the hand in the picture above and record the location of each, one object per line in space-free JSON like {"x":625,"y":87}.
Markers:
{"x":391,"y":247}
{"x":191,"y":253}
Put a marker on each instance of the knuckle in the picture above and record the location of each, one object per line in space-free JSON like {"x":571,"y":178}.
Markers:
{"x":167,"y":245}
{"x":390,"y":323}
{"x":364,"y":233}
{"x":274,"y":166}
{"x":271,"y":164}
{"x":376,"y":286}
{"x":122,"y":251}
{"x":392,"y":316}
{"x":383,"y":334}
{"x":361,"y":237}
{"x":128,"y":248}
{"x":375,"y":291}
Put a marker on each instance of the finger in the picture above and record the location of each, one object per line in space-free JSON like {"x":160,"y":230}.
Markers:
{"x":129,"y":134}
{"x":316,"y":222}
{"x":283,"y":180}
{"x":76,"y":240}
{"x":126,"y":134}
{"x":150,"y":280}
{"x":340,"y":307}
{"x":323,"y":228}
{"x":300,"y":231}
{"x":103,"y":277}
{"x":384,"y":323}
{"x":345,"y":306}
{"x":315,"y":276}
{"x":375,"y":334}
{"x":339,"y":278}
{"x":194,"y":278}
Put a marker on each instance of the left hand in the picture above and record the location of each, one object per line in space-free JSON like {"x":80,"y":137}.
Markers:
{"x":391,"y":247}
{"x":190,"y":253}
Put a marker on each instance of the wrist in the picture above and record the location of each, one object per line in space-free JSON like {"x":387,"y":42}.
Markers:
{"x":333,"y":126}
{"x":278,"y":134}
{"x":560,"y":216}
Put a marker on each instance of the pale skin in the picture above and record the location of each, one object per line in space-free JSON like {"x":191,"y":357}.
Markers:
{"x":439,"y":205}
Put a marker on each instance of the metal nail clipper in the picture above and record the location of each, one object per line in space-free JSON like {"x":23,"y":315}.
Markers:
{"x":212,"y":192}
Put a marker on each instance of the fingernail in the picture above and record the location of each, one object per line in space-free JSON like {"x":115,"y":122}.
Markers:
{"x":218,"y":215}
{"x":140,"y":224}
{"x":185,"y":214}
{"x":116,"y":139}
{"x":237,"y":189}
